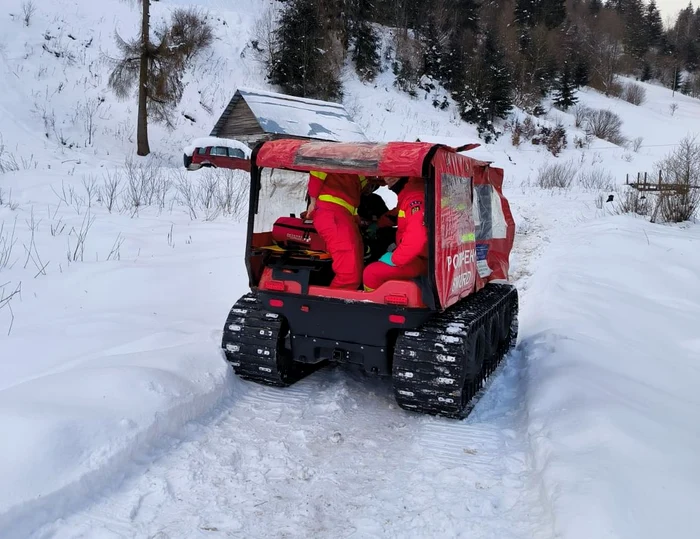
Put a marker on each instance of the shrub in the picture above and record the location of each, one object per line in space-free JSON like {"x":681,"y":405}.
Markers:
{"x":682,"y":165}
{"x":556,"y":175}
{"x":528,"y":129}
{"x":517,"y":134}
{"x":605,"y":125}
{"x":584,"y":142}
{"x":634,"y":93}
{"x":680,"y":206}
{"x":632,"y":201}
{"x":553,"y":139}
{"x":581,"y":113}
{"x":556,"y":141}
{"x":681,"y":168}
{"x":524,"y":131}
{"x":615,"y":89}
{"x":596,"y":178}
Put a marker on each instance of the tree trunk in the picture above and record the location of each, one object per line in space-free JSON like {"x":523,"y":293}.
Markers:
{"x":142,"y":127}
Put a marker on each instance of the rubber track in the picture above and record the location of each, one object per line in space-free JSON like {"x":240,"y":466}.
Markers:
{"x":250,"y":342}
{"x":431,"y":366}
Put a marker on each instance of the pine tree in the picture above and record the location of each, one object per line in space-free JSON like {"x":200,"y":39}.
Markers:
{"x":366,"y":42}
{"x":564,"y":96}
{"x":485,"y":95}
{"x":687,"y":87}
{"x":594,"y":6}
{"x":526,"y":12}
{"x":553,"y":12}
{"x":299,"y":66}
{"x":466,"y":15}
{"x":432,"y":49}
{"x":653,"y":25}
{"x":454,"y":67}
{"x":365,"y":54}
{"x":636,"y":34}
{"x":582,"y":73}
{"x":500,"y":83}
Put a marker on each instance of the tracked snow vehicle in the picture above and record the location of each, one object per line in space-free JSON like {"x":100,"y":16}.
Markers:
{"x":439,"y":337}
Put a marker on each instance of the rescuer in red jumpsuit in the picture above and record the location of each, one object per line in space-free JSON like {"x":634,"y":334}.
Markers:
{"x":334,"y":199}
{"x":410,"y":258}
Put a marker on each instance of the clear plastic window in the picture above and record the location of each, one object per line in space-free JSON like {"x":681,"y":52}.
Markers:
{"x":282,"y":193}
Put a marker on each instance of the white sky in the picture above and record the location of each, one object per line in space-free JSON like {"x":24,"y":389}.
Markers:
{"x":670,"y":8}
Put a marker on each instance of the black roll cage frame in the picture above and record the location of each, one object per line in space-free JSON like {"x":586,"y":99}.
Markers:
{"x":430,"y":290}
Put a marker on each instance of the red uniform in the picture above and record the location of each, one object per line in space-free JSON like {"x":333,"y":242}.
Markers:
{"x":338,"y":196}
{"x":410,"y":258}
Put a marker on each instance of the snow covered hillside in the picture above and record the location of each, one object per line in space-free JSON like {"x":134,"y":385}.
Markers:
{"x":121,"y":418}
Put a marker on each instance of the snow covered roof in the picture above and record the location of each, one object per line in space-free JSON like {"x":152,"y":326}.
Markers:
{"x":284,"y":115}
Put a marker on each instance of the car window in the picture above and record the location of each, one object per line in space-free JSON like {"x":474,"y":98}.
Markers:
{"x":219,"y":150}
{"x":236,"y":152}
{"x":201,"y":151}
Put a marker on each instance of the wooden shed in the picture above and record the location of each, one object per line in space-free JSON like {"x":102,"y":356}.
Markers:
{"x":255,"y":115}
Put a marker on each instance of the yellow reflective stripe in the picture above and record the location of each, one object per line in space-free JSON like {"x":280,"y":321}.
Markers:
{"x":461,"y":207}
{"x":339,"y":201}
{"x":320,"y":175}
{"x":363,"y":181}
{"x":402,"y":213}
{"x":444,"y":202}
{"x":468,"y":237}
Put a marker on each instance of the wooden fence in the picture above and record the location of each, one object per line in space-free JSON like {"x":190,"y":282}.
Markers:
{"x":657,"y":184}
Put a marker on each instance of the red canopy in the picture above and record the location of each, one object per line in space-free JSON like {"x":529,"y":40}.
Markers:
{"x":368,"y":158}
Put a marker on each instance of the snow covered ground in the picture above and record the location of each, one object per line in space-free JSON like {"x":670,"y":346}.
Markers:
{"x":612,"y":345}
{"x":121,"y":418}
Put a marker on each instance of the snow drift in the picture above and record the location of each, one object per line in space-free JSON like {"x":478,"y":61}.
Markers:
{"x":611,"y":331}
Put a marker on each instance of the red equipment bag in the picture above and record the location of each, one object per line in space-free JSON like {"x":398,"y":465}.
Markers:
{"x":296,"y":233}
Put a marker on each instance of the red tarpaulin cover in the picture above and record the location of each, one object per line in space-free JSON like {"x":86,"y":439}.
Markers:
{"x":473,"y":224}
{"x":370,"y":158}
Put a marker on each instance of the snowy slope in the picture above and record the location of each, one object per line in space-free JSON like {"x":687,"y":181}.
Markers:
{"x":124,"y":420}
{"x":613,"y":344}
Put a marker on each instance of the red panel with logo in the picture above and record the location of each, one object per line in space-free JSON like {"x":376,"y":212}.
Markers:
{"x":474,"y":227}
{"x":293,"y":232}
{"x":455,"y":244}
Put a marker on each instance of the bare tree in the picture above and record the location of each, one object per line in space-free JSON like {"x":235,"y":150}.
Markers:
{"x":156,"y":68}
{"x":682,"y":168}
{"x":28,"y":10}
{"x":87,"y":112}
{"x":264,"y":43}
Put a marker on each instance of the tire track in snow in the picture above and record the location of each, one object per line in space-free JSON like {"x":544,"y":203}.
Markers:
{"x":333,"y":456}
{"x":336,"y":459}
